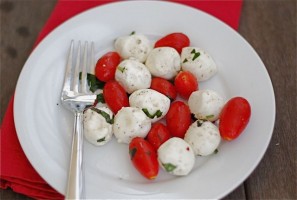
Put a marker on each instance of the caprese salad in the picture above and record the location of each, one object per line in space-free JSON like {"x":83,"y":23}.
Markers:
{"x":148,"y":97}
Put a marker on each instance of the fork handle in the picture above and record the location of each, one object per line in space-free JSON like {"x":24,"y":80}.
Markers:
{"x":75,"y":176}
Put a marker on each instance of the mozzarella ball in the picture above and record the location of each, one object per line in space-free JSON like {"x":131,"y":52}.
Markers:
{"x":97,"y":127}
{"x":130,"y":122}
{"x":163,"y":62}
{"x":204,"y":137}
{"x":136,"y":46}
{"x":133,"y":75}
{"x":206,"y":104}
{"x":198,"y":62}
{"x":176,"y":156}
{"x":154,"y":104}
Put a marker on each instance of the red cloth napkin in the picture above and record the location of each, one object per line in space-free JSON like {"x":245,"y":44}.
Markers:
{"x":16,"y":171}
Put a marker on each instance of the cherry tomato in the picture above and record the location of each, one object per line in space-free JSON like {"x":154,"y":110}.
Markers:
{"x":234,"y":117}
{"x":158,"y":135}
{"x":175,"y":40}
{"x":144,"y":157}
{"x":115,"y":96}
{"x":106,"y":66}
{"x":185,"y":83}
{"x":165,"y":87}
{"x":178,"y":119}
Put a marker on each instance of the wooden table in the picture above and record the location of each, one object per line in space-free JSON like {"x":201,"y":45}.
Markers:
{"x":269,"y":26}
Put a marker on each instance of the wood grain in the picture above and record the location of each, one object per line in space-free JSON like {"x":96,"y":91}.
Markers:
{"x":21,"y":22}
{"x":268,"y":25}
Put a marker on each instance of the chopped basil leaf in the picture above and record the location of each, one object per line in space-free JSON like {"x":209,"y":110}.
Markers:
{"x":103,"y":114}
{"x":101,"y":140}
{"x":132,"y":153}
{"x":185,"y":60}
{"x":199,"y":123}
{"x":132,"y":33}
{"x":158,"y":113}
{"x":122,"y":69}
{"x":93,"y":82}
{"x":100,"y":98}
{"x":209,"y":116}
{"x":216,"y":151}
{"x":196,"y":55}
{"x":168,"y":167}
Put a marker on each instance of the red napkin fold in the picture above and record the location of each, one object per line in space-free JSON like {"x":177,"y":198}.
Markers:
{"x":16,"y":171}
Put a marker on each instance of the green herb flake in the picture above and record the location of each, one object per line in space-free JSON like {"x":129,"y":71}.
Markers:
{"x":132,"y":153}
{"x":169,"y":167}
{"x":216,"y":151}
{"x":100,"y":98}
{"x":101,"y":140}
{"x":132,"y":33}
{"x":196,"y":55}
{"x":93,"y":82}
{"x":209,"y":116}
{"x":185,"y":60}
{"x":103,"y":114}
{"x":122,"y":69}
{"x":157,"y":114}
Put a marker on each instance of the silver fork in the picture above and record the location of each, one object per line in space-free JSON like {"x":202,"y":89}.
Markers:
{"x":76,"y":97}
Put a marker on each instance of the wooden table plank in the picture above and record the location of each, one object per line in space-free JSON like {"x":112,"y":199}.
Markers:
{"x":270,"y":27}
{"x":21,"y":22}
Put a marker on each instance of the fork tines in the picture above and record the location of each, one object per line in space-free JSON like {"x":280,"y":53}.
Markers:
{"x":77,"y":68}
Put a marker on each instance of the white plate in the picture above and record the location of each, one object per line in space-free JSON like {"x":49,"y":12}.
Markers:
{"x":44,"y":127}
